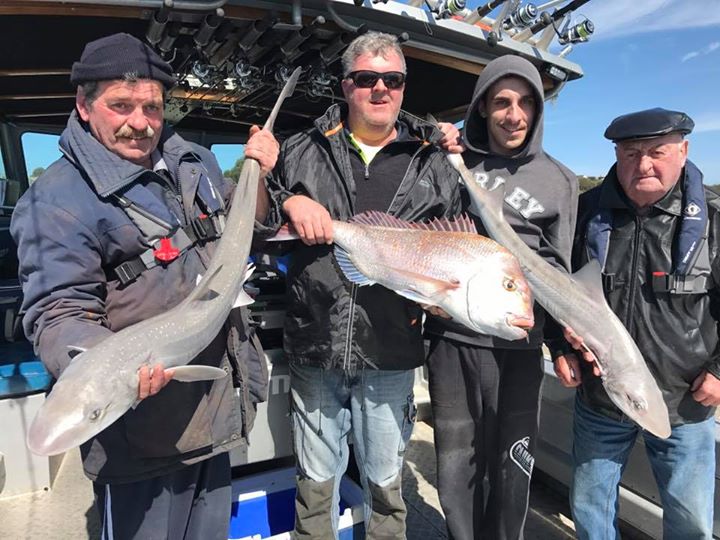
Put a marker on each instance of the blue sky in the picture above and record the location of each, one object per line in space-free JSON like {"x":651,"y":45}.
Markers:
{"x":643,"y":54}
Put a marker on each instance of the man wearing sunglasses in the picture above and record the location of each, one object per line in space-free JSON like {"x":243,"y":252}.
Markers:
{"x":353,"y":350}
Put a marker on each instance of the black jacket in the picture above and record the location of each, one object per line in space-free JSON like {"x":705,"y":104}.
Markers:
{"x":330,"y":322}
{"x":676,"y":333}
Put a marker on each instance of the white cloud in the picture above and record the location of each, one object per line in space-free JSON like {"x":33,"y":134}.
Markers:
{"x":705,"y":50}
{"x":707,"y":122}
{"x":614,"y":18}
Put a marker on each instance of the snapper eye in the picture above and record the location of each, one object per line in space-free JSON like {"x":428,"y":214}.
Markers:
{"x":509,"y":284}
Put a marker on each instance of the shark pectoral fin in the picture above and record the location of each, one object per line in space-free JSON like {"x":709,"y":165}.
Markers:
{"x":197,"y":373}
{"x":589,"y":277}
{"x":243,"y":299}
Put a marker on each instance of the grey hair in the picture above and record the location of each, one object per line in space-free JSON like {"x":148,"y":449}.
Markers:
{"x":90,"y":89}
{"x":374,"y":43}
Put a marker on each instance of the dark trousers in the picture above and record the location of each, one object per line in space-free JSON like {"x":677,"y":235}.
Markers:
{"x":485,"y":405}
{"x":192,"y":503}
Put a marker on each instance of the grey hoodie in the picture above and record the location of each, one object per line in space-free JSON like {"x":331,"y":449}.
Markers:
{"x":540,"y":200}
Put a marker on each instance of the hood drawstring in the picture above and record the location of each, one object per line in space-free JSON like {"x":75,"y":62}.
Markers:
{"x":362,"y":387}
{"x":320,"y":409}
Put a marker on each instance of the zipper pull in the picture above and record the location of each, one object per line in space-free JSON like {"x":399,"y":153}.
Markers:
{"x":367,"y":171}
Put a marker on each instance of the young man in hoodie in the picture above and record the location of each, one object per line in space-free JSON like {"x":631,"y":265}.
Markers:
{"x":484,"y":390}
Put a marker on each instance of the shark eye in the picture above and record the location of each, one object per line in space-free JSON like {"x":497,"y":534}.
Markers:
{"x":510,"y":285}
{"x":97,"y":413}
{"x":638,"y":405}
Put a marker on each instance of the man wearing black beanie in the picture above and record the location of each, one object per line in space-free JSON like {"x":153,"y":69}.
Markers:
{"x":114,"y":232}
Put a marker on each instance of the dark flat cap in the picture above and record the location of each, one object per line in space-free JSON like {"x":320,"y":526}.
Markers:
{"x":648,"y":124}
{"x":111,"y":57}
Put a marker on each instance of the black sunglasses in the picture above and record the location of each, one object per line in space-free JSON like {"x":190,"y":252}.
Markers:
{"x":368,"y":79}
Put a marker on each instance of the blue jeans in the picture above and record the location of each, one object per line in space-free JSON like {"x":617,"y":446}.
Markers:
{"x":683,"y":466}
{"x":376,"y":408}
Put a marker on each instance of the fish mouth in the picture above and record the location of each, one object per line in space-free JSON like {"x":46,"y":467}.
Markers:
{"x":519,"y":325}
{"x":520,"y":321}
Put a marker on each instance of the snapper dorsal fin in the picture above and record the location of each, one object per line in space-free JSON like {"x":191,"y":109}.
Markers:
{"x":462,"y":224}
{"x":374,"y":218}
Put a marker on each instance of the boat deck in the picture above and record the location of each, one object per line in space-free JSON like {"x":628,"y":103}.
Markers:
{"x":67,"y":513}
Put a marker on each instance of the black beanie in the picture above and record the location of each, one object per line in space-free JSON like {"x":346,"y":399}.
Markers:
{"x":110,"y":57}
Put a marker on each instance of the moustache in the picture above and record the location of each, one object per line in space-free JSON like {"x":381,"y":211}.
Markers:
{"x":126,"y":132}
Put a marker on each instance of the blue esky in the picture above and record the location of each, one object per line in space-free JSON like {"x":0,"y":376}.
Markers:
{"x":643,"y":54}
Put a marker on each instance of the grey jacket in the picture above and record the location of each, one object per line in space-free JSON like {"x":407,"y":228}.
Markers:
{"x":540,"y":201}
{"x":70,"y":234}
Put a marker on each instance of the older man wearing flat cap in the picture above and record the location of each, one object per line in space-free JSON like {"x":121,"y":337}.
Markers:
{"x":655,"y":229}
{"x":116,"y":231}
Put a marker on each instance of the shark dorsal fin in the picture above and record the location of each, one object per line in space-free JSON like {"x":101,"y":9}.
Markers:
{"x":590,"y":279}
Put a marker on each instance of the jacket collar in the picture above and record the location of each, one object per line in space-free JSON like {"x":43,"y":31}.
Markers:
{"x":613,"y":196}
{"x":106,"y":171}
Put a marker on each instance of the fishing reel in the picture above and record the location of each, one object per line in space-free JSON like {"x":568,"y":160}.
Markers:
{"x":247,"y":77}
{"x":320,"y":85}
{"x":522,"y":17}
{"x":282,"y":74}
{"x":577,"y":33}
{"x":444,"y":9}
{"x":205,"y":73}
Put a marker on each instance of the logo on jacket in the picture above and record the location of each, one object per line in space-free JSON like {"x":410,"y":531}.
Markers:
{"x":521,"y":456}
{"x":692,"y":210}
{"x":518,"y":198}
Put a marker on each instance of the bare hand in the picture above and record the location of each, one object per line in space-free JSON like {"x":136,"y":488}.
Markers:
{"x":578,"y":344}
{"x":263,"y":147}
{"x":706,"y":389}
{"x":152,"y":380}
{"x":311,"y":220}
{"x":567,"y":369}
{"x":451,"y":141}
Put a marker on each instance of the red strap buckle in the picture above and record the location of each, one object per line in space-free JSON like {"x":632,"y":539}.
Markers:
{"x":166,"y":252}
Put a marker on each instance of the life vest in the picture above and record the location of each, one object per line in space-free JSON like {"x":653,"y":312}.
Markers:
{"x":690,"y":259}
{"x":162,"y":230}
